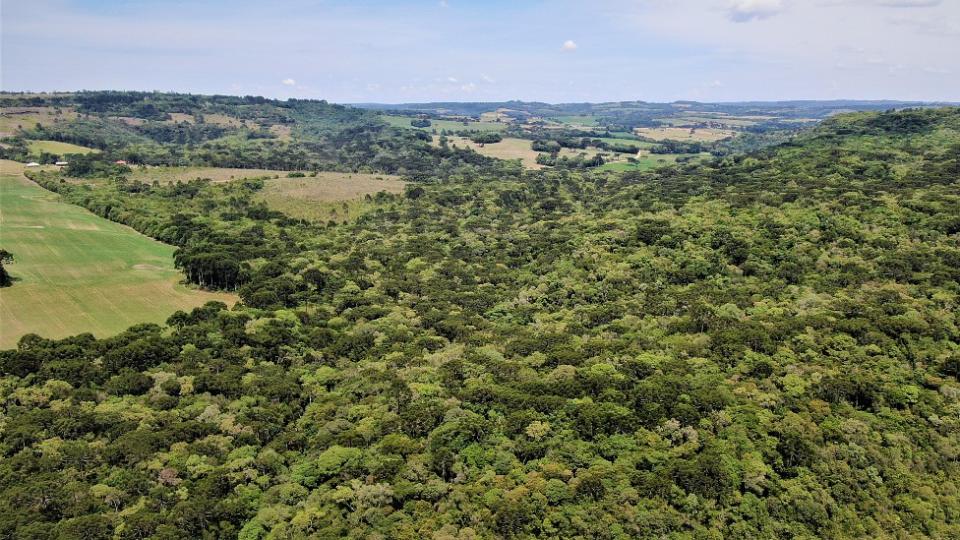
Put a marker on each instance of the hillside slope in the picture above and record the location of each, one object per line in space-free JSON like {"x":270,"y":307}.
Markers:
{"x":763,"y":346}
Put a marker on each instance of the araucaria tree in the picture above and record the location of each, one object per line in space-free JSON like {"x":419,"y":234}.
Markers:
{"x":5,"y":258}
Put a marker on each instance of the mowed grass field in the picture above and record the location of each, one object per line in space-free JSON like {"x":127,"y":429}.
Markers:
{"x":59,"y":148}
{"x":76,"y":272}
{"x":328,"y":196}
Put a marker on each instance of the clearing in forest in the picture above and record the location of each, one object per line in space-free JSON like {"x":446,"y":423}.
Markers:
{"x":449,"y":125}
{"x":169,"y":175}
{"x":512,"y":148}
{"x":685,"y":134}
{"x":15,"y":118}
{"x":646,"y":161}
{"x":59,"y":148}
{"x":76,"y":272}
{"x":327,"y":196}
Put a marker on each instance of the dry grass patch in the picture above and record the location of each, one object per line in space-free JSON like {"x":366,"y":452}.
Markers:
{"x":14,"y":118}
{"x":178,"y":118}
{"x":328,"y":196}
{"x":509,"y":149}
{"x":169,"y":175}
{"x":513,"y":148}
{"x":282,"y":132}
{"x":685,"y":134}
{"x":227,"y":121}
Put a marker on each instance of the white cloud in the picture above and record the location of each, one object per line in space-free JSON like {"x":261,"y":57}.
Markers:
{"x":568,"y":46}
{"x":289,"y":82}
{"x":748,"y":10}
{"x":928,"y":26}
{"x":452,"y":79}
{"x":908,"y":3}
{"x":487,"y":79}
{"x":469,"y":87}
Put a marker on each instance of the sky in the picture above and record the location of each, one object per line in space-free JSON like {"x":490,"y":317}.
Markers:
{"x":457,"y":50}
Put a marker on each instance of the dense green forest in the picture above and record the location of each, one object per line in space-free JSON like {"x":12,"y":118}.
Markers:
{"x":764,"y":345}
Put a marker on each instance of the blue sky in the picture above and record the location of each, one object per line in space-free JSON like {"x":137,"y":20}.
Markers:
{"x":455,"y":50}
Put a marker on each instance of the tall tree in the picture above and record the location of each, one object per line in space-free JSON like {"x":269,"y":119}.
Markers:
{"x":5,"y":257}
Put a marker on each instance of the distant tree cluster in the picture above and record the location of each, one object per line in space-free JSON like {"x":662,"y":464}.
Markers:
{"x":486,"y":137}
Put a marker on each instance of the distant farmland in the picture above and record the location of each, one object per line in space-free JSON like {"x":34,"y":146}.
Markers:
{"x":166,"y":175}
{"x":449,"y":125}
{"x":13,"y":118}
{"x":77,"y":272}
{"x":514,"y":148}
{"x":648,"y":161}
{"x":587,"y":120}
{"x":685,"y":134}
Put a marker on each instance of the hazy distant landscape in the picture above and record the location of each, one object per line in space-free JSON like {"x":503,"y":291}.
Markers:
{"x":340,"y":281}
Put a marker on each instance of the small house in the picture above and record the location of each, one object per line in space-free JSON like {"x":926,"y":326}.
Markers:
{"x":119,"y":162}
{"x":62,"y":163}
{"x":33,"y":164}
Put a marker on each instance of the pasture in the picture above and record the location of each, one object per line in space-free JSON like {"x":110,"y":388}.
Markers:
{"x":493,"y":116}
{"x":169,"y":175}
{"x":509,"y":149}
{"x":59,"y":148}
{"x":449,"y":125}
{"x":13,"y":118}
{"x":513,"y":148}
{"x":626,"y":141}
{"x":76,"y":272}
{"x":647,"y":161}
{"x":225,"y":120}
{"x":685,"y":134}
{"x":584,"y":120}
{"x":688,"y":119}
{"x":176,"y":118}
{"x":328,"y":196}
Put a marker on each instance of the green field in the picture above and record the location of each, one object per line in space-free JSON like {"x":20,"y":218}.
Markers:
{"x":76,"y":272}
{"x":59,"y":148}
{"x":647,"y":161}
{"x":623,"y":140}
{"x":449,"y":125}
{"x":576,"y":119}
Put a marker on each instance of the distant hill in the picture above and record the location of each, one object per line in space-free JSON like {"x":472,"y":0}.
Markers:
{"x":155,"y":128}
{"x":793,"y":108}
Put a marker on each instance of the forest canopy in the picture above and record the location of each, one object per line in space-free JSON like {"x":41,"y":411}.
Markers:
{"x":763,"y":345}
